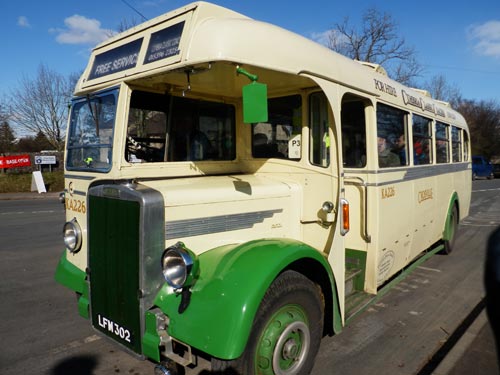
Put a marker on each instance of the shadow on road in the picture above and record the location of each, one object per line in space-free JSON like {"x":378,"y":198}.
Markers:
{"x":81,"y":365}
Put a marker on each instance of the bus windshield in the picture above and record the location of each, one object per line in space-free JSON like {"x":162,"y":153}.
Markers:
{"x":90,"y":137}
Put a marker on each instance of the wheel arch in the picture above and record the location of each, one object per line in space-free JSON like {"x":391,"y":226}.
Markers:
{"x":233,"y":281}
{"x":454,"y":202}
{"x":315,"y":272}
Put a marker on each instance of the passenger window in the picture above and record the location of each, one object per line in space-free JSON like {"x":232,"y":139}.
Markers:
{"x":442,"y":143}
{"x":280,"y":136}
{"x":391,"y":137}
{"x":466,"y":146}
{"x":456,"y":144}
{"x":422,"y":140}
{"x":319,"y":153}
{"x":353,"y":133}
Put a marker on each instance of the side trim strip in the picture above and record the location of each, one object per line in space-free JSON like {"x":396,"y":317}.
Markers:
{"x":411,"y":173}
{"x":216,"y":224}
{"x":77,"y":177}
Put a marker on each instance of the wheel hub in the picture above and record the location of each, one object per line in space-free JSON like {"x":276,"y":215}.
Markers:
{"x":290,"y":349}
{"x":285,"y":342}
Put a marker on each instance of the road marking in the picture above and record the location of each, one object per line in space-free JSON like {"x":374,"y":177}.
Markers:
{"x":429,"y":269}
{"x":483,"y":190}
{"x":32,"y":212}
{"x":480,"y":225}
{"x":75,"y":344}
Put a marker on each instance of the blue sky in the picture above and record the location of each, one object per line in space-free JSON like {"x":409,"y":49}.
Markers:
{"x":460,"y":42}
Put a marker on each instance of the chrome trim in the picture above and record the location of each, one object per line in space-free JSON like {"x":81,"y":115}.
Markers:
{"x":358,"y":181}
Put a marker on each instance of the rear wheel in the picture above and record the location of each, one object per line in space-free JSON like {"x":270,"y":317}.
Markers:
{"x":452,"y":230}
{"x":286,"y":332}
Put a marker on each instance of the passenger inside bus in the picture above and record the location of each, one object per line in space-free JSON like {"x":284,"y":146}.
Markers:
{"x":386,"y":158}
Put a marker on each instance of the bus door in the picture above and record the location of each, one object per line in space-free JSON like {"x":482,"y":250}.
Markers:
{"x":320,"y":186}
{"x":354,"y":112}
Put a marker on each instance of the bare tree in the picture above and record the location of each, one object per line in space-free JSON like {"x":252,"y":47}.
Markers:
{"x":4,"y":112}
{"x":41,"y":104}
{"x":483,"y":119}
{"x":440,"y":89}
{"x":377,"y":41}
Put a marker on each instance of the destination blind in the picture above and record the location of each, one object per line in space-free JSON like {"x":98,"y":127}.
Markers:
{"x":164,"y":43}
{"x":116,"y":60}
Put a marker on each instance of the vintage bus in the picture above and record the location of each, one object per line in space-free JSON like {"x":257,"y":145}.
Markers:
{"x":234,"y":191}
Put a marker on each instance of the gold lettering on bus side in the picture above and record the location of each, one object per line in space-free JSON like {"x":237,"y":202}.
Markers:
{"x":384,"y":87}
{"x":75,"y":205}
{"x":388,"y":192}
{"x":424,"y":195}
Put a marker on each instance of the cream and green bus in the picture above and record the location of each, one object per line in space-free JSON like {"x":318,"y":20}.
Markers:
{"x":234,"y":191}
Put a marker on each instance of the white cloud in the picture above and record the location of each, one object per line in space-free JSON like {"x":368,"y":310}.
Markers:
{"x":23,"y":22}
{"x":329,"y":38}
{"x":486,"y":37}
{"x":82,"y":30}
{"x":322,"y":37}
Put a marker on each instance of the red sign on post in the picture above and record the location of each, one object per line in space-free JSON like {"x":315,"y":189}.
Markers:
{"x":15,"y":161}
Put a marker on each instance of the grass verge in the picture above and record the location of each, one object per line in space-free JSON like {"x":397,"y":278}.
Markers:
{"x":21,"y":183}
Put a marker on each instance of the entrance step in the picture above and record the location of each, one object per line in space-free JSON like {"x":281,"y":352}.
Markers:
{"x":356,"y":302}
{"x":350,"y":278}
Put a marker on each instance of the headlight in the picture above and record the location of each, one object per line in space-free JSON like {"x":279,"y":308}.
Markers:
{"x":179,"y":266}
{"x":72,"y":235}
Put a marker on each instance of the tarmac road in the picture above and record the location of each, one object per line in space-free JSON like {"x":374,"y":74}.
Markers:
{"x":41,"y":332}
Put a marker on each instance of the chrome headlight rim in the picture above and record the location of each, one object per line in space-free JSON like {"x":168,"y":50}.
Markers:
{"x":179,"y":266}
{"x":72,"y":235}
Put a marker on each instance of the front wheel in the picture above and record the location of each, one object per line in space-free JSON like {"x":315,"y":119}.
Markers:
{"x":286,"y":332}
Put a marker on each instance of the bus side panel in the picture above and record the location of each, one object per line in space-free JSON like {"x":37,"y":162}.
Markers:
{"x":424,"y":211}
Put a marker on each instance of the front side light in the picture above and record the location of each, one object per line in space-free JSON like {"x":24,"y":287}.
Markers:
{"x":179,"y":266}
{"x":72,"y":236}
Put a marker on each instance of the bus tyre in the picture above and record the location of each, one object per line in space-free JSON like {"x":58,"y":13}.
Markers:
{"x":286,"y":332}
{"x":453,"y":226}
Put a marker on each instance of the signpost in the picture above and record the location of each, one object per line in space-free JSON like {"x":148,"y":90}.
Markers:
{"x":46,"y":160}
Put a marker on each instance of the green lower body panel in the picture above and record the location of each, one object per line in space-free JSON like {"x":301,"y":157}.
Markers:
{"x":75,"y":279}
{"x":114,"y":269}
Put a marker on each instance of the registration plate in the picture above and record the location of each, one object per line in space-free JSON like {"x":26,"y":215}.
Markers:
{"x":114,"y":328}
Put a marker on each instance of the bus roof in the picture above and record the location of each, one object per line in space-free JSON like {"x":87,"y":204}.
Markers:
{"x":203,"y":32}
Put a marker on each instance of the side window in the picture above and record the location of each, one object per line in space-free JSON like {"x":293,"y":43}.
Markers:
{"x":353,"y":133}
{"x":422,"y":140}
{"x":280,"y":136}
{"x":319,"y":153}
{"x":147,"y":127}
{"x":442,"y":143}
{"x":466,"y":146}
{"x":391,"y":137}
{"x":201,"y":130}
{"x":165,"y":128}
{"x":456,"y":144}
